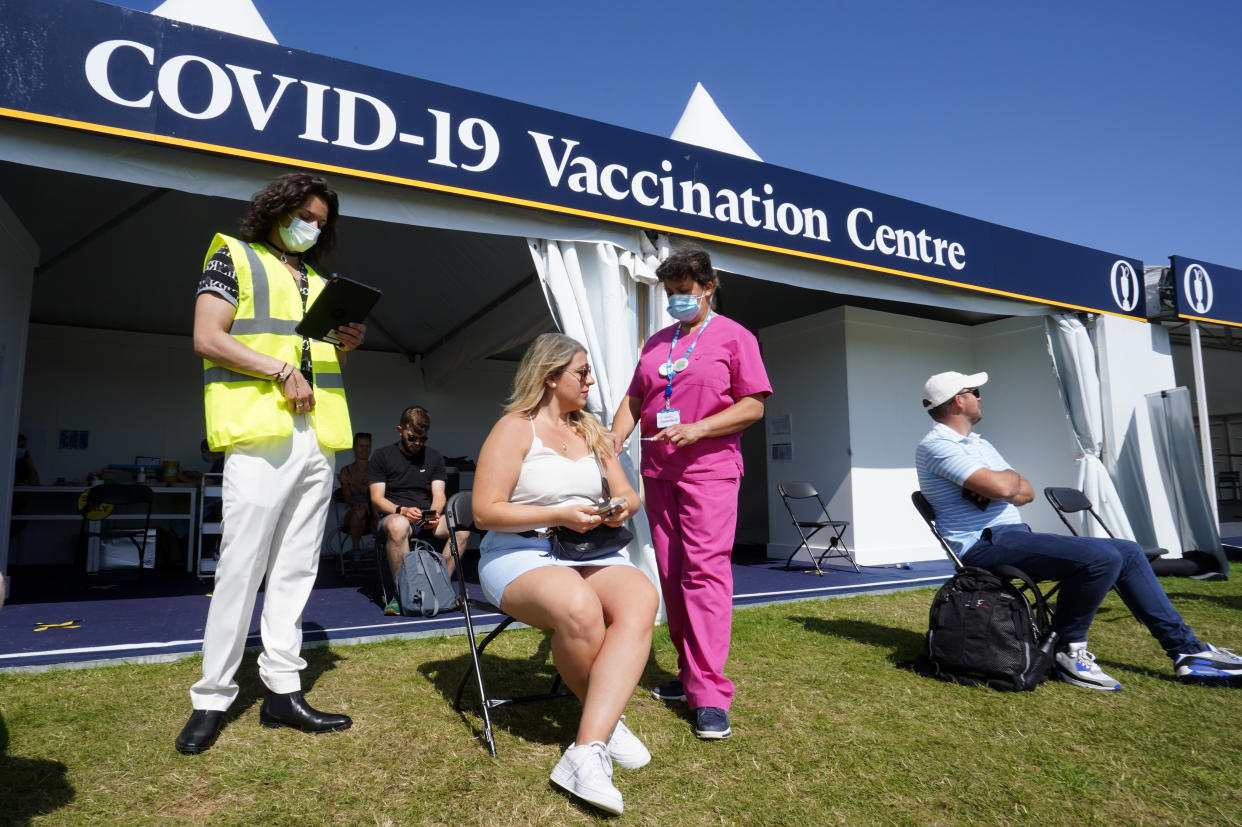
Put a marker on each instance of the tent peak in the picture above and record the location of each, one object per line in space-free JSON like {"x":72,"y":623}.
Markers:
{"x":238,"y":17}
{"x":703,"y":124}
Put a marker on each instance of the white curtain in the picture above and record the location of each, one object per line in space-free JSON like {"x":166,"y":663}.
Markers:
{"x":596,"y":294}
{"x":1073,"y":361}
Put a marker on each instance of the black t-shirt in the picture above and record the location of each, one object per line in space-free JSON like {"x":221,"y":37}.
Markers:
{"x":407,"y":479}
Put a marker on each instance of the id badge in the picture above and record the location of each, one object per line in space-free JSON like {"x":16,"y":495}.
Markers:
{"x":668,"y":418}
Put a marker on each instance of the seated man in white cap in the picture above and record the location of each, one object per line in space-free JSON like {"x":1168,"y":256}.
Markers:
{"x":975,"y":493}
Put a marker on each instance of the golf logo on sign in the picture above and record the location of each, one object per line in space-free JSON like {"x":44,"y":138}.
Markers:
{"x":1198,"y":289}
{"x":1125,"y":285}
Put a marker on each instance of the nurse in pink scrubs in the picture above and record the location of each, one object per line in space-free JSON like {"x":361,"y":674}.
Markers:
{"x":697,"y":385}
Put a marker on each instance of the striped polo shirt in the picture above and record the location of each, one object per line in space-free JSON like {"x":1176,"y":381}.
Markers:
{"x":944,"y":460}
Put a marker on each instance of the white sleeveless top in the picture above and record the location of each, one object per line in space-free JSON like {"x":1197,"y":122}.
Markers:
{"x":547,"y":478}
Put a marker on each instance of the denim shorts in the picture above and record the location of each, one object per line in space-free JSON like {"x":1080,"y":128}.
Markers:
{"x":504,"y":557}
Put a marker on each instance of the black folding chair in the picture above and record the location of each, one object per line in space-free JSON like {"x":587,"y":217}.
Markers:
{"x":929,"y":516}
{"x":1072,"y":501}
{"x":799,"y":492}
{"x":460,"y":516}
{"x":101,"y":502}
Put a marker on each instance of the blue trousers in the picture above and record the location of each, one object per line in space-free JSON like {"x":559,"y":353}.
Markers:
{"x":1087,"y":567}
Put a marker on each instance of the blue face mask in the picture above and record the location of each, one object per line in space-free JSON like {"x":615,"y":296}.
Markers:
{"x":683,"y":307}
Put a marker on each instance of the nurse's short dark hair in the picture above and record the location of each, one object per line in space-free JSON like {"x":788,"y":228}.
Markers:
{"x":692,"y":263}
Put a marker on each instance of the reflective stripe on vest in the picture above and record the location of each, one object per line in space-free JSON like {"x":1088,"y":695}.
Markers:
{"x":240,"y":407}
{"x":219,"y":374}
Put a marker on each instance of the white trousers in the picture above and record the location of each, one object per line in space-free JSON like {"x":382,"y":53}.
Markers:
{"x":275,"y":503}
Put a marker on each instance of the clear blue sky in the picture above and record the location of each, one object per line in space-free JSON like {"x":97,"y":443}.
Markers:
{"x":1111,"y":123}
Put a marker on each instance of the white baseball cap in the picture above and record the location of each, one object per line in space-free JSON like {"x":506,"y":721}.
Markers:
{"x":944,"y":386}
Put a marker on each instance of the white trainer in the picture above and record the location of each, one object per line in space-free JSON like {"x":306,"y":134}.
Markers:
{"x":1077,"y":666}
{"x":1210,"y":663}
{"x":586,"y":772}
{"x":626,"y":750}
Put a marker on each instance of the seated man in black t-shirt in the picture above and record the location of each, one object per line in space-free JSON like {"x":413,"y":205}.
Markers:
{"x":407,"y":486}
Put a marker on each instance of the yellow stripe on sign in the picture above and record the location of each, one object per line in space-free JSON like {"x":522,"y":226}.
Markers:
{"x":417,"y":183}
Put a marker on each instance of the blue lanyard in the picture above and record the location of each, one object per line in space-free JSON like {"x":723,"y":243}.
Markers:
{"x":668,"y":390}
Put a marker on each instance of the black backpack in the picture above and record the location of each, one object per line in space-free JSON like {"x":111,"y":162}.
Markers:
{"x":984,"y":631}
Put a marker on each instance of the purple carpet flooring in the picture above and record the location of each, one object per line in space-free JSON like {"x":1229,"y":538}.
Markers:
{"x":117,"y":623}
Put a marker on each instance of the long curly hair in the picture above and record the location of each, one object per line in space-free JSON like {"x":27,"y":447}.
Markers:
{"x":282,"y":196}
{"x":547,"y":357}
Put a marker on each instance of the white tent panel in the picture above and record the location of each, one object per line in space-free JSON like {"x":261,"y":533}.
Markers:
{"x":703,"y":124}
{"x":1073,"y":361}
{"x":238,"y":17}
{"x":1134,"y":360}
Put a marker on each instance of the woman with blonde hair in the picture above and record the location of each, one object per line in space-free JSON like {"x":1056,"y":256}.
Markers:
{"x":540,"y":477}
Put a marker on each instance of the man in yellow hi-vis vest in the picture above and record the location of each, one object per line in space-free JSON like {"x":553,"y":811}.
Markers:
{"x":275,"y":404}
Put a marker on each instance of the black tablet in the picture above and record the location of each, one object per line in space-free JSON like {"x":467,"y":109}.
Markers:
{"x":341,"y":302}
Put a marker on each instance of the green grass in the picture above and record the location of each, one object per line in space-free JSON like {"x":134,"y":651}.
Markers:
{"x":827,"y":731}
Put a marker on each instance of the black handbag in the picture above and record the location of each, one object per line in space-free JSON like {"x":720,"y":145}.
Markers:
{"x":589,"y":545}
{"x":597,"y":542}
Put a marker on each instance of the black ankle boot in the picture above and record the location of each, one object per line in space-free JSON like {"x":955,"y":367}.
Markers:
{"x":200,"y":732}
{"x":291,"y":709}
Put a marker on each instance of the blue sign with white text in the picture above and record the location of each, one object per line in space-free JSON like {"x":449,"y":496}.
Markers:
{"x":1207,"y":292}
{"x":87,"y":65}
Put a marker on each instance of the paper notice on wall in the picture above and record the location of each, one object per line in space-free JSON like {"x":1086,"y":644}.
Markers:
{"x":780,"y":425}
{"x":782,"y":452}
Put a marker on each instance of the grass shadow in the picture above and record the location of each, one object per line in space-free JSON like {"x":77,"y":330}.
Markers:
{"x":654,"y":674}
{"x":903,"y":644}
{"x":30,"y":787}
{"x":546,"y":722}
{"x":1227,"y":601}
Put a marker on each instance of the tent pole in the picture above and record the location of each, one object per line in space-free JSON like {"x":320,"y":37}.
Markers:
{"x":1201,"y":411}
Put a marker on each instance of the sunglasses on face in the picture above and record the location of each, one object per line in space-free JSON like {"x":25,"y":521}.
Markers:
{"x":583,"y":373}
{"x":973,"y":391}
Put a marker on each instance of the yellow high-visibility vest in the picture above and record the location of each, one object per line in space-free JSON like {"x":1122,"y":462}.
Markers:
{"x":240,"y":407}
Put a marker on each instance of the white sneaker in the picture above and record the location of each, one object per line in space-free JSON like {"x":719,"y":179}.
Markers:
{"x":1077,"y":666}
{"x":586,"y":772}
{"x":1210,"y":663}
{"x":626,"y":750}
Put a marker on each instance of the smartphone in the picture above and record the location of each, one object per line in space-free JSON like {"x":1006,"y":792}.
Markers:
{"x":607,"y":508}
{"x":430,"y":513}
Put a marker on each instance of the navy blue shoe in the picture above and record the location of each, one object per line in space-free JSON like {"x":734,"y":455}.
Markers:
{"x":712,"y":723}
{"x":669,"y":692}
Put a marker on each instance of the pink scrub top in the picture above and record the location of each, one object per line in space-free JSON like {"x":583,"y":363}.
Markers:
{"x":725,"y":367}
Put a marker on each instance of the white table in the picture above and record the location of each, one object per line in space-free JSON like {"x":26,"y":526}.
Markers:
{"x":61,"y":504}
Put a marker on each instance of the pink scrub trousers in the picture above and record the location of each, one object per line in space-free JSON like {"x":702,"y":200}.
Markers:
{"x":692,"y":526}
